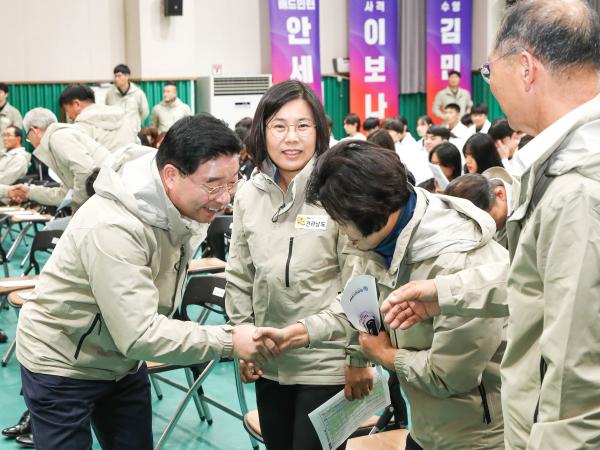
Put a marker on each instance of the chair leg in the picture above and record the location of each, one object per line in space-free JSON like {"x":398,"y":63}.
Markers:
{"x":9,"y":352}
{"x":197,"y":402}
{"x":156,"y":387}
{"x":242,"y":397}
{"x":193,"y":389}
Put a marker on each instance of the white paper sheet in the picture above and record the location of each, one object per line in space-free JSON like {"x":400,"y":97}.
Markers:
{"x":360,"y":304}
{"x":15,"y":283}
{"x":439,"y":176}
{"x":336,"y":419}
{"x":29,"y":217}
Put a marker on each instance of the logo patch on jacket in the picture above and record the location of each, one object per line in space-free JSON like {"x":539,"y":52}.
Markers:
{"x":311,"y":222}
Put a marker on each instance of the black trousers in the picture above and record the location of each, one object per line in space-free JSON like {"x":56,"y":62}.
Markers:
{"x":62,"y":410}
{"x":283,"y":413}
{"x":411,"y":444}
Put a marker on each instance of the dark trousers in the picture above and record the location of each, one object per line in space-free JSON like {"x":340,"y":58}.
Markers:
{"x":283,"y":413}
{"x":411,"y":444}
{"x":62,"y":410}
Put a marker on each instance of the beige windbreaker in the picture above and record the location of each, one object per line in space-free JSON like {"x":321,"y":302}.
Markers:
{"x":551,"y":368}
{"x":448,"y":366}
{"x":285,"y":263}
{"x":133,"y":103}
{"x":73,"y":155}
{"x":107,"y":125}
{"x":13,"y":165}
{"x":9,"y":115}
{"x":104,"y":298}
{"x":164,"y":115}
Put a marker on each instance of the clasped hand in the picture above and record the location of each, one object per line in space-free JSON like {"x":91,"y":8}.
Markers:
{"x":18,"y":193}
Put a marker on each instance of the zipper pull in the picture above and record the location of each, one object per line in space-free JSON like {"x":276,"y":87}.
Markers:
{"x":276,"y":215}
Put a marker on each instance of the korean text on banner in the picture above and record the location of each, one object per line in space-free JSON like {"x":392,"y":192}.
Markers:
{"x":449,"y":24}
{"x":373,"y":31}
{"x":295,"y":53}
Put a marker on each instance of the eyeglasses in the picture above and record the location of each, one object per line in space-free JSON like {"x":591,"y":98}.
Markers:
{"x":281,"y":129}
{"x":27,"y":135}
{"x":214,"y":192}
{"x":485,"y":68}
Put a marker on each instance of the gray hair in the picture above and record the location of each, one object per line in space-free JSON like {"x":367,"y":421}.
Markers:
{"x":39,"y":118}
{"x":562,"y":34}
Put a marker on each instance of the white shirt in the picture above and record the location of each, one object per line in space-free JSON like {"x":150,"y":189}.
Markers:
{"x":484,"y":129}
{"x":359,"y":136}
{"x":462,"y":132}
{"x":414,"y":157}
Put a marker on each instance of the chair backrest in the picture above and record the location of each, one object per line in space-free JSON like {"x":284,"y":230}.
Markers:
{"x":44,"y":240}
{"x":207,"y":291}
{"x":216,"y":235}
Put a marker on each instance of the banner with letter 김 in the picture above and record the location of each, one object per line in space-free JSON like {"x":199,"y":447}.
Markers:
{"x":295,"y":52}
{"x":449,"y":24}
{"x":373,"y":42}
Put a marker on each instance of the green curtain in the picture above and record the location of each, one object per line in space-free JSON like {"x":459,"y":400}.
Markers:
{"x":412,"y":106}
{"x":481,"y":93}
{"x":336,"y":95}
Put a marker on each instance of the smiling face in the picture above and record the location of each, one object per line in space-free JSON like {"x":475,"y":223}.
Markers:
{"x":431,"y":141}
{"x":470,"y":163}
{"x":290,"y":151}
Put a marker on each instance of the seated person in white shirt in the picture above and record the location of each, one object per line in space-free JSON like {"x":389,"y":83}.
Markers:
{"x":479,"y":116}
{"x":411,"y":154}
{"x":423,"y":124}
{"x":506,"y":139}
{"x":452,"y":121}
{"x":352,"y":127}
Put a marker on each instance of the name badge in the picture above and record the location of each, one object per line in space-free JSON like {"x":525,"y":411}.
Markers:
{"x":311,"y":222}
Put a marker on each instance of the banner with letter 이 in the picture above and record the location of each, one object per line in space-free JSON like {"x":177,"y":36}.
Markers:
{"x":295,"y":52}
{"x":373,"y":45}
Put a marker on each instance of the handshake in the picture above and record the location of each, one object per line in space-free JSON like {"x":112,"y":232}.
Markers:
{"x":18,"y":193}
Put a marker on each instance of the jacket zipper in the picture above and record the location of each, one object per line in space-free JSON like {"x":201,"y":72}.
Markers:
{"x":287,"y":264}
{"x":87,"y":333}
{"x":178,"y":276}
{"x":543,"y":368}
{"x":487,"y":417}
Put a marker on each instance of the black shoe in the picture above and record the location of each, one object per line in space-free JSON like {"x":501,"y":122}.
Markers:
{"x":26,"y":440}
{"x":23,"y":427}
{"x":3,"y":337}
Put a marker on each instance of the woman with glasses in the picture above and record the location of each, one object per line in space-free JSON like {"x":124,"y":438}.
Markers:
{"x":285,"y":263}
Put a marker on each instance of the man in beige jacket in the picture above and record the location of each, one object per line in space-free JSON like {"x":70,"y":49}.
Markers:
{"x":104,"y":124}
{"x":14,"y":160}
{"x":170,"y":110}
{"x":551,"y":91}
{"x":9,"y":115}
{"x":105,"y":299}
{"x":129,"y":97}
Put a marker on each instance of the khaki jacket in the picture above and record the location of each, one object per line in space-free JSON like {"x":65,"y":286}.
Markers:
{"x":550,"y":370}
{"x":166,"y":114}
{"x":444,"y":97}
{"x":104,"y":299}
{"x":9,"y":115}
{"x":448,"y":367}
{"x":73,"y":155}
{"x":280,"y":269}
{"x":13,"y":165}
{"x":106,"y":125}
{"x":133,"y":103}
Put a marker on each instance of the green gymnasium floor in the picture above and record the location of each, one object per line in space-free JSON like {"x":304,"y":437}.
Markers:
{"x":226,"y":432}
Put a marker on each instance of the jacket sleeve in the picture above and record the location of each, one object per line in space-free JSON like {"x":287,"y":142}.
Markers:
{"x":437,"y":105}
{"x":116,"y":260}
{"x":143,"y":107}
{"x":475,"y":292}
{"x":16,"y":168}
{"x":240,"y":272}
{"x":567,"y":254}
{"x":51,"y":196}
{"x":154,"y":118}
{"x":17,"y":119}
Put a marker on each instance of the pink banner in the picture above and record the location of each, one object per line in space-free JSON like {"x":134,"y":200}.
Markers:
{"x":373,"y":31}
{"x":449,"y":24}
{"x":295,"y":42}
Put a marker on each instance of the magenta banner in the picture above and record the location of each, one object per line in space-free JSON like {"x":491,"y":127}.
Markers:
{"x":295,"y":42}
{"x":373,"y":31}
{"x":449,"y":24}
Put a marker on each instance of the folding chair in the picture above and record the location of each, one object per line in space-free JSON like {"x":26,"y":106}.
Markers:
{"x":218,"y":235}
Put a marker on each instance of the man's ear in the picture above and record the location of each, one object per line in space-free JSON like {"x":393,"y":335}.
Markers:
{"x":169,"y":173}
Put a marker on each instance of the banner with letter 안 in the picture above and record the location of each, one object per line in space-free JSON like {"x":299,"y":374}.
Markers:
{"x":295,"y":43}
{"x":373,"y":45}
{"x":449,"y":24}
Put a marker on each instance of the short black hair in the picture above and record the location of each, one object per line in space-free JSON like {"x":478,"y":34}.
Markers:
{"x":382,"y":138}
{"x":359,"y":183}
{"x":18,"y":131}
{"x":171,"y":83}
{"x":271,"y":102}
{"x":479,"y":108}
{"x":193,"y":140}
{"x":524,"y":141}
{"x":454,"y":72}
{"x":453,"y":106}
{"x":400,"y":118}
{"x":474,"y":187}
{"x":4,"y":87}
{"x":449,"y":156}
{"x":370,"y":123}
{"x":500,"y":129}
{"x":441,"y":131}
{"x":483,"y":150}
{"x":466,"y":120}
{"x":122,"y":68}
{"x":79,"y":92}
{"x":353,"y":119}
{"x":393,"y":125}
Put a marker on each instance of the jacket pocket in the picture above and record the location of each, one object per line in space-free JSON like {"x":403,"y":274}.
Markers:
{"x":543,"y":368}
{"x":287,"y":263}
{"x":487,"y":417}
{"x":87,"y":333}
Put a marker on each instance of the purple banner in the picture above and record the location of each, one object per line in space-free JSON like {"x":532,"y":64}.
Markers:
{"x":295,"y":42}
{"x":449,"y":24}
{"x":373,"y":32}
